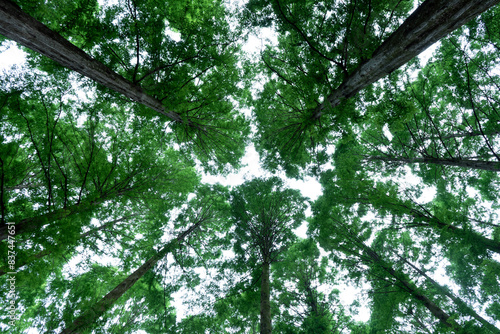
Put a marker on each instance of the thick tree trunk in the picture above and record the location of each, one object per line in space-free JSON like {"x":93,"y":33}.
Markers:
{"x":35,"y":223}
{"x":431,"y":21}
{"x":89,"y":316}
{"x":25,"y":30}
{"x":493,"y":166}
{"x":265,"y":300}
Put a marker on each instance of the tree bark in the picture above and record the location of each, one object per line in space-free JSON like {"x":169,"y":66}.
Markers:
{"x":25,"y":30}
{"x":431,"y":21}
{"x":34,"y":223}
{"x":458,"y":301}
{"x":46,"y":252}
{"x":471,"y":236}
{"x":493,"y":166}
{"x":89,"y":316}
{"x":412,"y":289}
{"x":265,"y":300}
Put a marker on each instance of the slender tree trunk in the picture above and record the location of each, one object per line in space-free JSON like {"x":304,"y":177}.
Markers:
{"x":34,"y":223}
{"x":458,"y":301}
{"x":88,"y":317}
{"x":469,"y":134}
{"x":431,"y":221}
{"x":412,"y":289}
{"x":46,"y":252}
{"x":493,"y":166}
{"x":431,"y":21}
{"x":25,"y":30}
{"x":471,"y":236}
{"x":265,"y":300}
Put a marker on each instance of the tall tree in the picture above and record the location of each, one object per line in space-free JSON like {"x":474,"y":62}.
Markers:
{"x":205,"y":210}
{"x":299,"y":277}
{"x":185,"y":81}
{"x":265,"y":212}
{"x":316,"y":67}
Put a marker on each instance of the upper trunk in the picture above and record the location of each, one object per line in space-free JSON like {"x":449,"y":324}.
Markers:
{"x":458,"y":301}
{"x":25,"y":30}
{"x":34,"y":223}
{"x":58,"y":247}
{"x":431,"y":21}
{"x":265,"y":300}
{"x":409,"y":286}
{"x":98,"y":309}
{"x":472,"y":236}
{"x":493,"y":166}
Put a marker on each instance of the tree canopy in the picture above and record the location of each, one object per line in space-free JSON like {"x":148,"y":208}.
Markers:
{"x":122,"y":109}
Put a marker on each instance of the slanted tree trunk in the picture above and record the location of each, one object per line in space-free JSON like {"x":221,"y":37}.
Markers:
{"x":472,"y":236}
{"x":265,"y":300}
{"x":426,"y":219}
{"x":35,"y":223}
{"x":493,"y":166}
{"x":46,"y":252}
{"x":431,"y":21}
{"x":445,"y":291}
{"x":412,"y":289}
{"x":94,"y":312}
{"x":25,"y":30}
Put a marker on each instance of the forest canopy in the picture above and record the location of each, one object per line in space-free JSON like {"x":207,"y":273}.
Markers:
{"x":122,"y":108}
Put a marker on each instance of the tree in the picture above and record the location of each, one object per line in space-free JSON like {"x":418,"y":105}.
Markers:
{"x":316,"y":67}
{"x":264,"y":213}
{"x":389,"y":255}
{"x":298,"y":278}
{"x":204,"y":210}
{"x":203,"y":77}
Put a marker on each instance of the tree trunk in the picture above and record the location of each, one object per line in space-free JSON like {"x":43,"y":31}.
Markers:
{"x":46,"y":252}
{"x":458,"y":301}
{"x":471,"y":236}
{"x":25,"y":30}
{"x":265,"y":300}
{"x":35,"y":223}
{"x":412,"y":289}
{"x":493,"y":166}
{"x":398,"y":208}
{"x":89,"y":316}
{"x":431,"y":21}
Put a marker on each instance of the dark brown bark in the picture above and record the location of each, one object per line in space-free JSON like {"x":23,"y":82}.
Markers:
{"x":265,"y":300}
{"x":25,"y":30}
{"x":431,"y":21}
{"x":89,"y":316}
{"x":493,"y":166}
